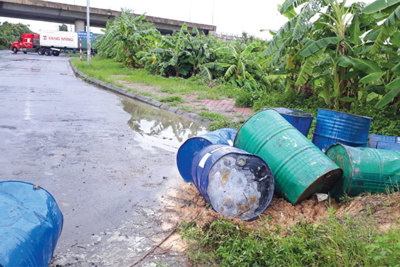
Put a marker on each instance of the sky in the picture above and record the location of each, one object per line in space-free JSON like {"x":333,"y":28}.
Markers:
{"x":230,"y":16}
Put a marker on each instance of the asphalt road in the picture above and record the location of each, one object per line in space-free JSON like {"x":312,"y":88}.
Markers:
{"x":107,"y":160}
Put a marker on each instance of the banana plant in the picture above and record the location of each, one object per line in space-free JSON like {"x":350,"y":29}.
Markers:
{"x":242,"y":64}
{"x":125,"y":37}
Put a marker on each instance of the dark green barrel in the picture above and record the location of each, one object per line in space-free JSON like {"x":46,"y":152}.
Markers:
{"x":365,"y":170}
{"x":300,"y":168}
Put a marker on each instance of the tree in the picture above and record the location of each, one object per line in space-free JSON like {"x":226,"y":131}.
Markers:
{"x":63,"y":28}
{"x":10,"y":32}
{"x":126,"y":38}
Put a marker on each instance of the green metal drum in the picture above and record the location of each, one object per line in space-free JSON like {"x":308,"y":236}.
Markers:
{"x":365,"y":170}
{"x":299,"y":167}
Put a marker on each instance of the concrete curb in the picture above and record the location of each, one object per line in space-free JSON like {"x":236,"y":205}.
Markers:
{"x":138,"y":97}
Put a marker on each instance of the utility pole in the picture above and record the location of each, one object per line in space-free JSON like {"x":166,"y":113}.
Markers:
{"x":89,"y":45}
{"x":212,"y":16}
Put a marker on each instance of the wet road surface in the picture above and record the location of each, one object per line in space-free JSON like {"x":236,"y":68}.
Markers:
{"x":107,"y":160}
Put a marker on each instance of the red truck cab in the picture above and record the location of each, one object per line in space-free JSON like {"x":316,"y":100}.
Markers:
{"x":27,"y":42}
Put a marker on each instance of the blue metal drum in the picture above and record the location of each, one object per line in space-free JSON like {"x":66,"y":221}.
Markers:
{"x":299,"y":119}
{"x":192,"y":146}
{"x":235,"y":183}
{"x":339,"y":127}
{"x":30,"y":224}
{"x":384,"y":142}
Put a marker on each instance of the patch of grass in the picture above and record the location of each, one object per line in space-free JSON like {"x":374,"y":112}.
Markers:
{"x":212,"y":116}
{"x":146,"y":94}
{"x":177,"y":99}
{"x":186,"y":108}
{"x":106,"y":68}
{"x":73,"y":55}
{"x":218,"y":121}
{"x":166,"y":90}
{"x":334,"y":242}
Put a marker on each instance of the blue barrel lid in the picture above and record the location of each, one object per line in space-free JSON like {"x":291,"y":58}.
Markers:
{"x":345,"y":113}
{"x":204,"y":161}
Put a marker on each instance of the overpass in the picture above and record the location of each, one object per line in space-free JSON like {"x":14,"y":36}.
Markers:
{"x":73,"y":14}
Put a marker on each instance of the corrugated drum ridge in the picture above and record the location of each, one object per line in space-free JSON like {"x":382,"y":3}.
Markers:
{"x":350,"y":129}
{"x":366,"y":169}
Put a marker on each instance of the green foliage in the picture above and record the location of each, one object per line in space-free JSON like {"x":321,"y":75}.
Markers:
{"x":328,"y":55}
{"x":347,"y":56}
{"x":247,"y":98}
{"x":186,"y":53}
{"x":10,"y":32}
{"x":218,"y":121}
{"x":126,"y":37}
{"x":333,"y":242}
{"x":63,"y":28}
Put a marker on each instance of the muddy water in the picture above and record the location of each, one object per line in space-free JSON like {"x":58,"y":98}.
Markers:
{"x":158,"y":128}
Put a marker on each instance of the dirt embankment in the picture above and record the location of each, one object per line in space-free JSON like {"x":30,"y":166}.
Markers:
{"x":186,"y":204}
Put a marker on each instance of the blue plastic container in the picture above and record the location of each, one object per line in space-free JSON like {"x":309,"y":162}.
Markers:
{"x":339,"y":127}
{"x":384,"y":142}
{"x":234,"y":182}
{"x":299,"y":119}
{"x":30,"y":224}
{"x":193,"y":145}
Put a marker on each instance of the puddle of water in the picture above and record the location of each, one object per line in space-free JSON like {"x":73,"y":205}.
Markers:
{"x":159,"y":128}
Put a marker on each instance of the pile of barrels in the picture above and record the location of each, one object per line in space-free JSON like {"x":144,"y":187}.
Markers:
{"x":238,"y":172}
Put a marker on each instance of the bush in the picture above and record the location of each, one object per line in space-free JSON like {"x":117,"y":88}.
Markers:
{"x":247,"y":98}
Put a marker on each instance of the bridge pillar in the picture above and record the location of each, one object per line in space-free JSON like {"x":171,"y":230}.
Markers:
{"x":79,"y":25}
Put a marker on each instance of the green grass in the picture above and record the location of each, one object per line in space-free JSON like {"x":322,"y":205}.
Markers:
{"x":334,"y":242}
{"x":104,"y":69}
{"x":218,"y":121}
{"x":177,"y":99}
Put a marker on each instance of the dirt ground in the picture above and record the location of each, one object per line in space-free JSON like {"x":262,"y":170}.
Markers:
{"x":186,"y":204}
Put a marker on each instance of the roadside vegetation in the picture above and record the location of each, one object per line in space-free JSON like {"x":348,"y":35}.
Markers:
{"x":345,"y":59}
{"x":10,"y":32}
{"x":328,"y":55}
{"x":333,"y":242}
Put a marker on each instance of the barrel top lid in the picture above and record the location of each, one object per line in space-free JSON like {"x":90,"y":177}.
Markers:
{"x":291,"y":112}
{"x":364,"y":117}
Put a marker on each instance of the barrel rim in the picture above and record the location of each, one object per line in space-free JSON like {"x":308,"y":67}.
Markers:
{"x":28,"y":183}
{"x":239,"y":151}
{"x":52,"y":197}
{"x":177,"y":155}
{"x":301,"y":113}
{"x":355,"y":115}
